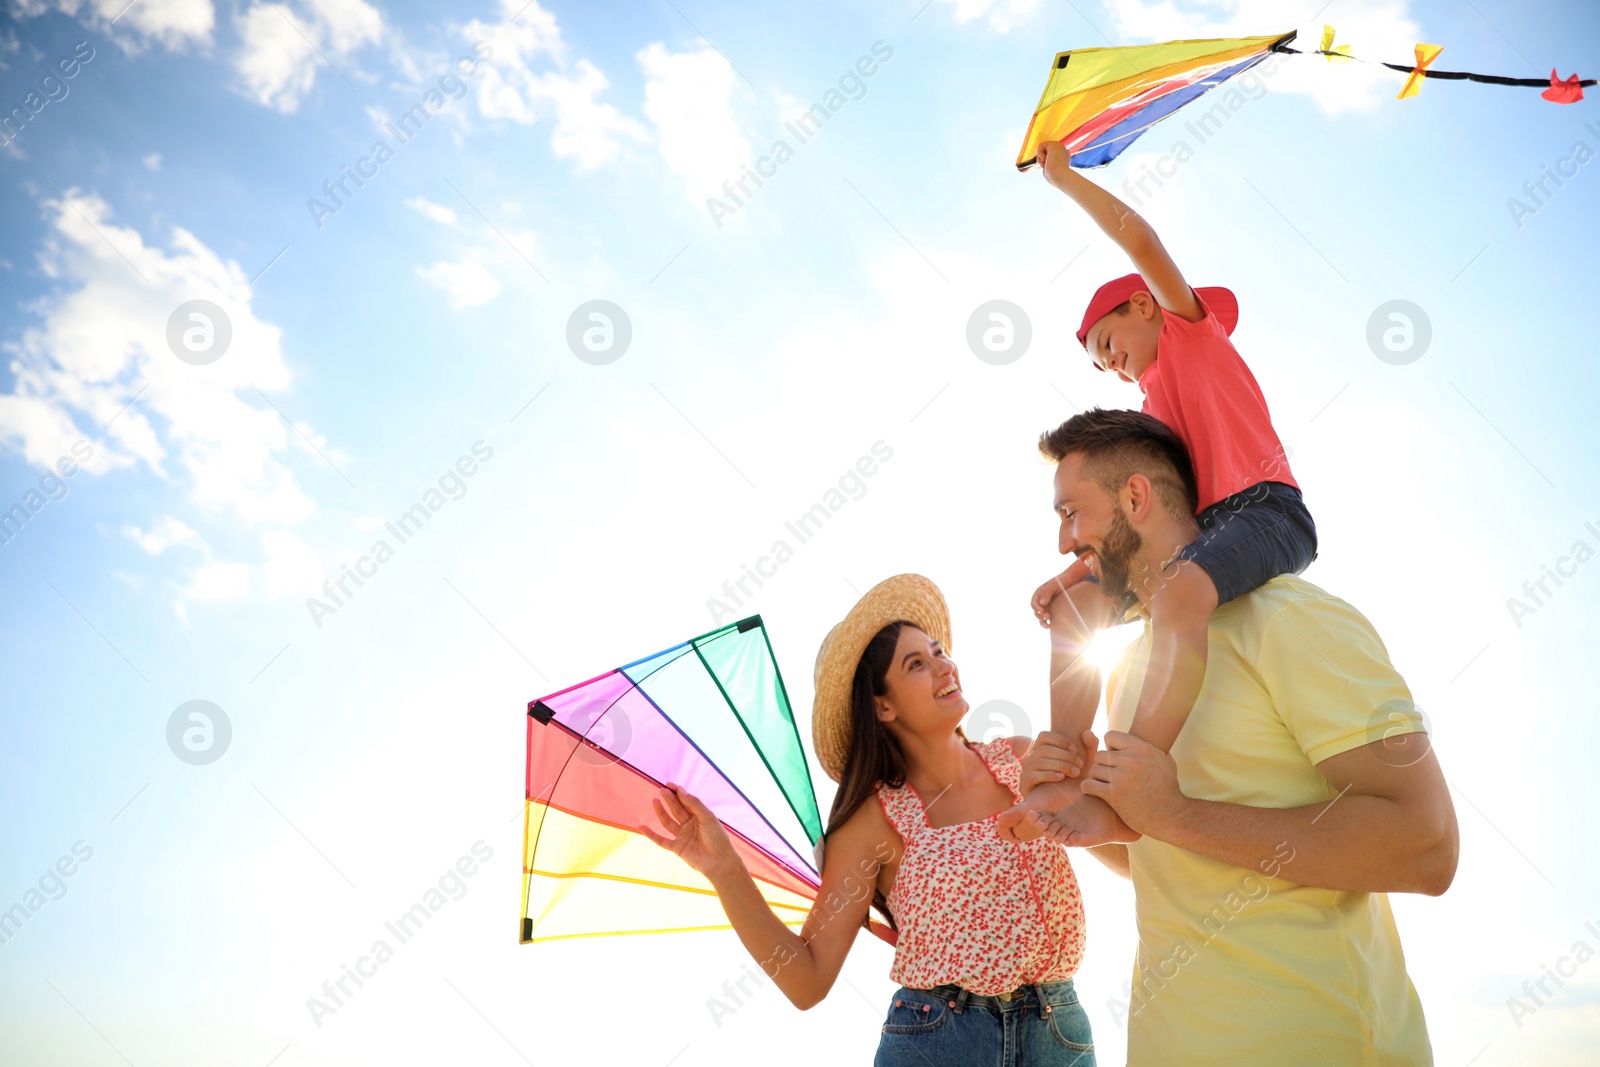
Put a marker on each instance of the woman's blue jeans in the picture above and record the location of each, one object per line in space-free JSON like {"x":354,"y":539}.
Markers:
{"x":1035,"y":1026}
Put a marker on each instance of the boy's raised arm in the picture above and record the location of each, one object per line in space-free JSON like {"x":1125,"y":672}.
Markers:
{"x":1126,"y":227}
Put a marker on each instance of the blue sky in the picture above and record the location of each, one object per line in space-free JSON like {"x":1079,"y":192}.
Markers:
{"x":770,"y":349}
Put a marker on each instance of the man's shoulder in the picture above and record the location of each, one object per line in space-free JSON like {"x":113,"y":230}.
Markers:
{"x":1287,"y":589}
{"x":1288,"y":599}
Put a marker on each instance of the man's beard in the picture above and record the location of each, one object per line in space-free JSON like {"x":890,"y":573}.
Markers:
{"x":1122,"y":542}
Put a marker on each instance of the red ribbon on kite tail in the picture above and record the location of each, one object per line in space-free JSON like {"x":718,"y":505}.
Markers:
{"x":1563,"y":92}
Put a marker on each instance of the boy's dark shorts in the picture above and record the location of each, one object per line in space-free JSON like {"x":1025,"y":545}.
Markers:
{"x":1252,"y":537}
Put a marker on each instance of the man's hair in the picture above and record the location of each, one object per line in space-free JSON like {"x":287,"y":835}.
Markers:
{"x":1118,"y":444}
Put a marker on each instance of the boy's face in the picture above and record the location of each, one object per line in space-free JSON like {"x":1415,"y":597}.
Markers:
{"x":1124,"y":342}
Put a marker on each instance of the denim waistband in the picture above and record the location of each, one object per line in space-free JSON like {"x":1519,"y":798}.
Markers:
{"x":1040,"y":993}
{"x":1267,"y":488}
{"x":1279,"y":495}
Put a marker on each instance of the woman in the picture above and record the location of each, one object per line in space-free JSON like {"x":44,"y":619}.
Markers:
{"x":987,"y":932}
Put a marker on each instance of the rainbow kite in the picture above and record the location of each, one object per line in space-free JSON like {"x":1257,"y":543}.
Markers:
{"x":1099,"y":100}
{"x":599,"y":751}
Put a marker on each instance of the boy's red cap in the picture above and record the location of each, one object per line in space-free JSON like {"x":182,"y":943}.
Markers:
{"x":1223,"y":304}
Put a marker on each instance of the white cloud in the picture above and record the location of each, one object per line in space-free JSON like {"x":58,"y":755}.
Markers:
{"x":436,"y":212}
{"x":349,"y":23}
{"x":308,"y":440}
{"x":167,"y":532}
{"x":173,"y":24}
{"x":97,"y":368}
{"x":508,"y":87}
{"x":132,"y":581}
{"x":209,"y":579}
{"x":468,"y":283}
{"x":102,"y":348}
{"x":1379,"y":30}
{"x":278,"y":64}
{"x":152,"y":162}
{"x":216,"y":580}
{"x":43,"y":432}
{"x":526,"y":31}
{"x":1002,"y":15}
{"x":586,"y":130}
{"x":291,"y":567}
{"x":689,"y":97}
{"x":283,"y":50}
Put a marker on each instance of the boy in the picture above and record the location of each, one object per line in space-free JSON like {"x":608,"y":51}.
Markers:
{"x":1152,"y":329}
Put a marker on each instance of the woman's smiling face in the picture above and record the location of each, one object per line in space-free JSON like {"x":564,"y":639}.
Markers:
{"x":922,"y":686}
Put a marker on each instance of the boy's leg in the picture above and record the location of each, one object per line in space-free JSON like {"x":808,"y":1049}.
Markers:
{"x":1246,"y":540}
{"x":1180,"y":613}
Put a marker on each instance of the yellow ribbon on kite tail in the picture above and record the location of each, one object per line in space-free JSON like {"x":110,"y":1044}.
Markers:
{"x":1333,"y":53}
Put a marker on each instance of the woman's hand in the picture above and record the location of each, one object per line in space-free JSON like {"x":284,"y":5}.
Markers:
{"x":696,"y":836}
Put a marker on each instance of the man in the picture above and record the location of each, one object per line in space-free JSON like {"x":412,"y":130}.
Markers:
{"x":1301,"y":790}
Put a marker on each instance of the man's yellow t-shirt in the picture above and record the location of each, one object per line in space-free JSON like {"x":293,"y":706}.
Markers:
{"x":1240,"y":966}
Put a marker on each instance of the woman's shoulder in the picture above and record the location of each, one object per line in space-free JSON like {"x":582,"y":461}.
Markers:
{"x":1000,"y":747}
{"x":1004,"y":757}
{"x":866,"y":826}
{"x":1017,"y":746}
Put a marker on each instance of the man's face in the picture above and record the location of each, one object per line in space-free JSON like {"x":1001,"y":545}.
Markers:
{"x":1094,"y":528}
{"x":1125,"y":342}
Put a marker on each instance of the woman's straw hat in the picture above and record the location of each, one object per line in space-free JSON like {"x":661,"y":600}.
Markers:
{"x":903,"y":598}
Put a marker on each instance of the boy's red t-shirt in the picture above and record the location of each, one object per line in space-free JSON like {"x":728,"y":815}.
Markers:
{"x":1199,"y":385}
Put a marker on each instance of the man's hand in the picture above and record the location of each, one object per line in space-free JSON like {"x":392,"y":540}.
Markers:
{"x":1138,"y":780}
{"x":1055,"y":161}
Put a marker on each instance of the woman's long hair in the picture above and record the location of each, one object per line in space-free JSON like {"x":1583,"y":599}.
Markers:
{"x":875,"y":757}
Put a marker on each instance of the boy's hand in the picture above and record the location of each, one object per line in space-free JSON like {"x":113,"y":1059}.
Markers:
{"x":1055,"y":161}
{"x":1047,"y":592}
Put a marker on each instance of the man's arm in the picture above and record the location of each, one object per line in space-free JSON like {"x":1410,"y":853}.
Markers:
{"x":1390,"y":829}
{"x":1115,"y":857}
{"x":1127,"y":228}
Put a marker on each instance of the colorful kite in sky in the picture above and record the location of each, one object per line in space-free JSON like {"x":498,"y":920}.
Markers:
{"x":1099,"y":100}
{"x":710,"y":715}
